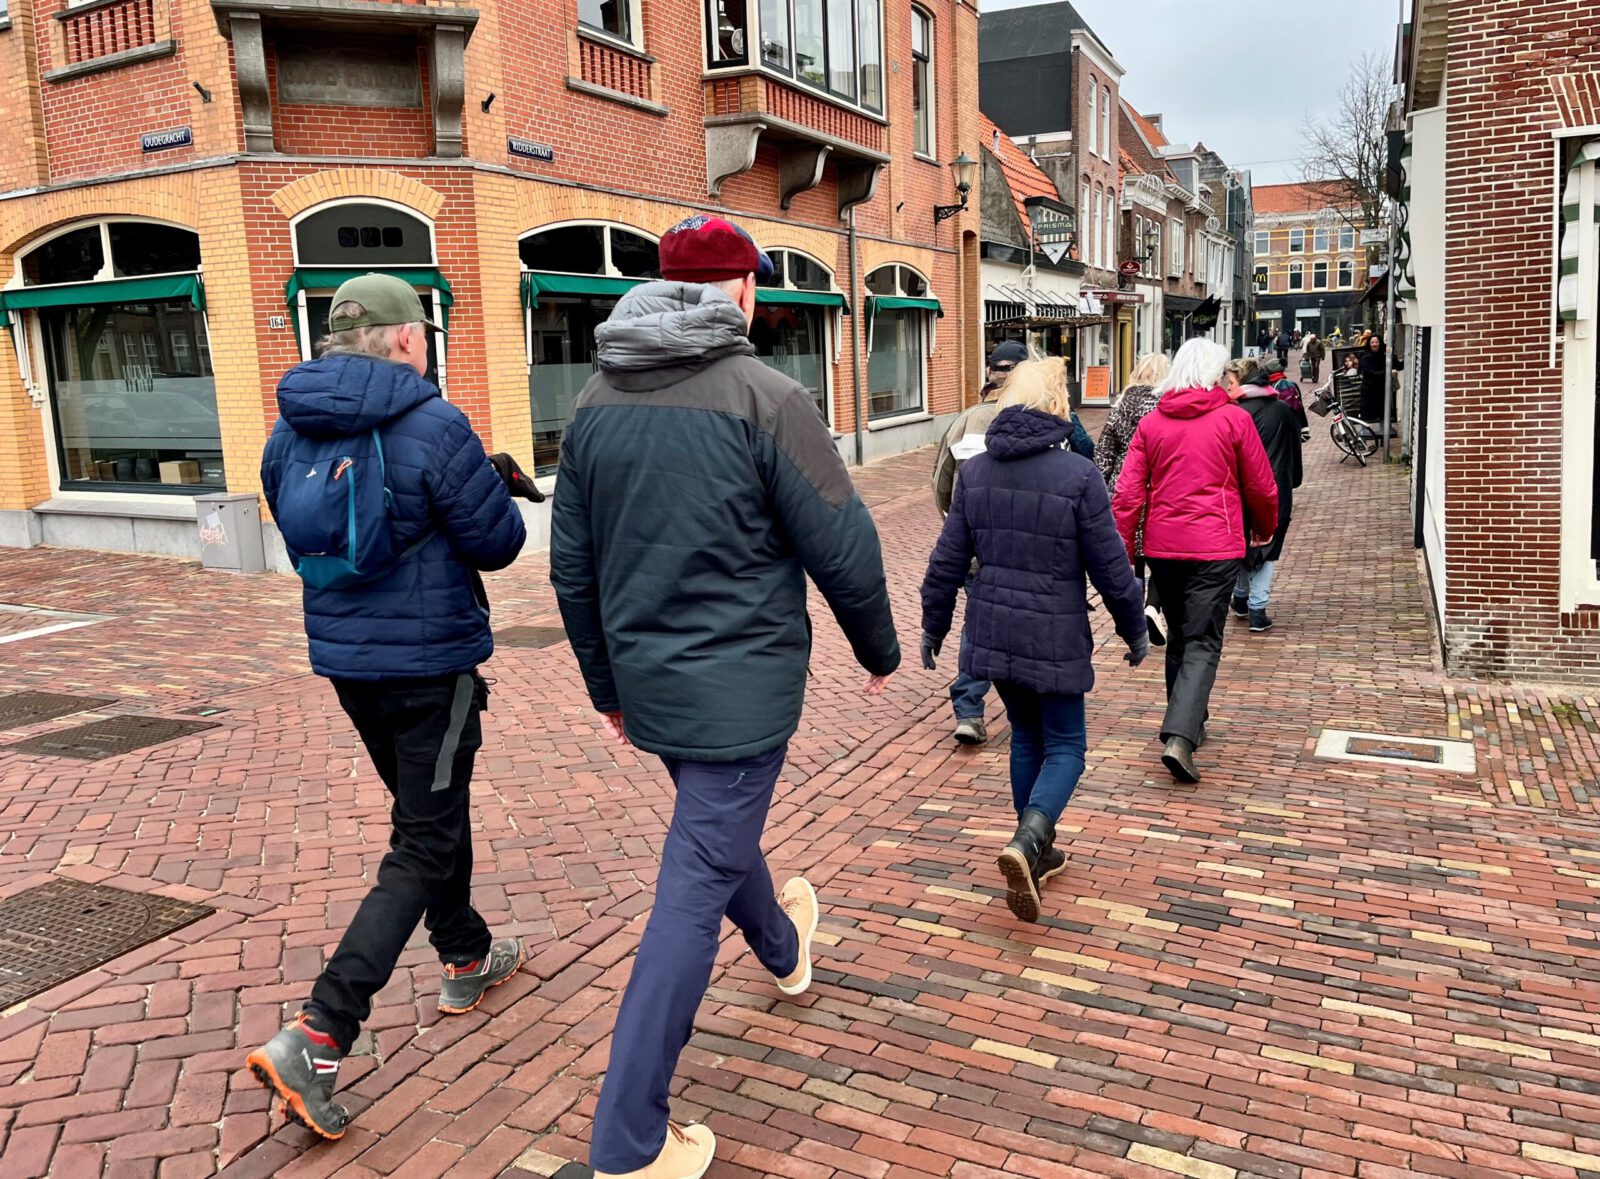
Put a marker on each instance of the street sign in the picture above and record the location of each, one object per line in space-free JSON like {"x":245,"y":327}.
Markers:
{"x":1371,"y":237}
{"x":1055,"y":251}
{"x":1128,"y":267}
{"x":1117,"y":296}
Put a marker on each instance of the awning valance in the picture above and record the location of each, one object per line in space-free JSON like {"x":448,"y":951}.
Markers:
{"x":319,"y":278}
{"x":535,"y":284}
{"x":877,"y":303}
{"x":152,"y":289}
{"x":779,"y":297}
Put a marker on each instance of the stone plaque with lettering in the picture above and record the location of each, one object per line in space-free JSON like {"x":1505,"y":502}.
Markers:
{"x":380,"y":73}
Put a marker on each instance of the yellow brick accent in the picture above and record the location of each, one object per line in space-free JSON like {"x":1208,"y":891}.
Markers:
{"x":1271,"y":1052}
{"x":1178,"y":1164}
{"x":1229,"y":869}
{"x":1445,"y":939}
{"x":1572,"y":1037}
{"x":928,"y":927}
{"x":374,"y":183}
{"x":231,"y":314}
{"x":1065,"y":981}
{"x":510,"y":425}
{"x":1256,"y":898}
{"x":1087,"y":961}
{"x":1366,"y":1009}
{"x":956,"y":894}
{"x":1506,"y":1046}
{"x":1566,"y":1158}
{"x":1012,"y":1052}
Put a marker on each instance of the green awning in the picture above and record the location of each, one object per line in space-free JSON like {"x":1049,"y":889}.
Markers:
{"x":903,"y":303}
{"x":779,"y":297}
{"x":115,"y":290}
{"x":316,"y":278}
{"x":534,"y":285}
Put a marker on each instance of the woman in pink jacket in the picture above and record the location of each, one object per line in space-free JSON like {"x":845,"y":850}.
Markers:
{"x":1197,"y":476}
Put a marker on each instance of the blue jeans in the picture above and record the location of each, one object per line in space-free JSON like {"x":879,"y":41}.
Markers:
{"x":711,"y":867}
{"x":967,"y":694}
{"x":1256,"y":586}
{"x":1048,"y":742}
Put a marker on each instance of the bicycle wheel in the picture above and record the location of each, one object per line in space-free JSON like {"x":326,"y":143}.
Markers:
{"x":1366,"y":435}
{"x":1346,"y":439}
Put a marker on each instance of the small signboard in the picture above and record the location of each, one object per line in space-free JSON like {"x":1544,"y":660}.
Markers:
{"x":529,"y":150}
{"x":1118,"y":296}
{"x":165,"y":140}
{"x":1128,"y":267}
{"x":1371,"y":237}
{"x":1097,"y":382}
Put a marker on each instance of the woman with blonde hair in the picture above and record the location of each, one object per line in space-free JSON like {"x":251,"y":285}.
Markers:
{"x":1138,"y":399}
{"x":1037,"y":518}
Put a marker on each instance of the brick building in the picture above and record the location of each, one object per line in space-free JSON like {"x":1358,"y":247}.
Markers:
{"x":1310,"y":269}
{"x":1501,"y":298}
{"x":186,"y":181}
{"x":1048,"y":82}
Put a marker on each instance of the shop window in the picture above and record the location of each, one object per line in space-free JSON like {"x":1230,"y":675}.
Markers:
{"x":1319,"y":276}
{"x":792,"y":337}
{"x":1297,"y":276}
{"x":1297,"y":241}
{"x":1347,"y":274}
{"x":573,"y":277}
{"x":125,"y":357}
{"x":922,"y":91}
{"x":1261,"y":280}
{"x":613,"y":17}
{"x":897,"y":360}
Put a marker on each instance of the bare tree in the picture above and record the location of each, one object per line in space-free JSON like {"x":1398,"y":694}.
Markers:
{"x":1346,"y":151}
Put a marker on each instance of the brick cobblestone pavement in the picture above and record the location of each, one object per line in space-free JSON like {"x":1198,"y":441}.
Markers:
{"x":1299,"y":969}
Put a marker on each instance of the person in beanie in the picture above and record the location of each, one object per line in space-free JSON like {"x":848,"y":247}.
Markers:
{"x":1197,"y":478}
{"x":1280,"y":438}
{"x":963,"y":440}
{"x":401,"y":642}
{"x":1036,"y":518}
{"x":696,"y":492}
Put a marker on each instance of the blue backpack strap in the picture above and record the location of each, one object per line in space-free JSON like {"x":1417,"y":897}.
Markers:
{"x":383,"y":471}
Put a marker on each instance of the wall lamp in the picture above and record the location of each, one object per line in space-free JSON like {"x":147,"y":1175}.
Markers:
{"x":963,"y":166}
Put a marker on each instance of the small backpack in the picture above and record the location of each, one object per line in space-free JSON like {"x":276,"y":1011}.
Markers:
{"x":333,"y":510}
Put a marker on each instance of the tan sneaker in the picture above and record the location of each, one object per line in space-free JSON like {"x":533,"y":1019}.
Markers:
{"x":686,"y":1154}
{"x":799,"y":901}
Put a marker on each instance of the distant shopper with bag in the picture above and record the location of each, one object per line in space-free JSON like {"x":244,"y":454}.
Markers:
{"x":390,"y":509}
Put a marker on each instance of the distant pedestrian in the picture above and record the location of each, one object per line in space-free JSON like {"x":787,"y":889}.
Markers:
{"x":1264,"y":338}
{"x":1285,"y":344}
{"x":961,"y":441}
{"x":1196,"y":476}
{"x":698,"y":490}
{"x":1279,"y":431}
{"x":1375,"y":368}
{"x":1138,"y":399}
{"x":1287,"y":387}
{"x":1312,"y":351}
{"x":1036,"y":518}
{"x":389,"y":509}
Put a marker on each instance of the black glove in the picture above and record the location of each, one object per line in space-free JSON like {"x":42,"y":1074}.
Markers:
{"x":512,"y":475}
{"x":930,"y":647}
{"x":1138,"y":650}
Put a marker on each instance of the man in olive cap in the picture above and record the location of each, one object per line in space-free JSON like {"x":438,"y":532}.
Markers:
{"x":390,"y":509}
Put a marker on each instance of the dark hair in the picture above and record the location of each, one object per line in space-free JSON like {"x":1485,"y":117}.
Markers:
{"x":1371,"y":338}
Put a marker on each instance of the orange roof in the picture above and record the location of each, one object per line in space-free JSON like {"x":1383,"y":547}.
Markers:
{"x":1296,"y":198}
{"x":1024,"y":176}
{"x":1147,"y":129}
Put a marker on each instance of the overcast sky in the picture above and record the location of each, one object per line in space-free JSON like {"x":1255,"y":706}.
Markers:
{"x":1190,"y":62}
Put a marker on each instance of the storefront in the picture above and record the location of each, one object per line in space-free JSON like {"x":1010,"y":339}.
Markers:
{"x":901,"y":333}
{"x":108,"y":319}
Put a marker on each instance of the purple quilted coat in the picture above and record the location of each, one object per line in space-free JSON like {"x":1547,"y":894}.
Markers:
{"x":1037,"y":518}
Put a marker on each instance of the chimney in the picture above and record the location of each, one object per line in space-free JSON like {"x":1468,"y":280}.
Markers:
{"x":1155,"y":121}
{"x":996,"y":148}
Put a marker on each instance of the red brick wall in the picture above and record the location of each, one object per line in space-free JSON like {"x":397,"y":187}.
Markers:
{"x":1101,"y":174}
{"x":404,"y":132}
{"x":92,"y":124}
{"x":1503,"y":431}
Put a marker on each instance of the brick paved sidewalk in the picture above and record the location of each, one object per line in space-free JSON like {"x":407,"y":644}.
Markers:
{"x":1300,"y":968}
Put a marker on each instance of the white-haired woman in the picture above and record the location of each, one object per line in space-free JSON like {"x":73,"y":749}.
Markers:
{"x":1197,"y":478}
{"x":1138,"y":398}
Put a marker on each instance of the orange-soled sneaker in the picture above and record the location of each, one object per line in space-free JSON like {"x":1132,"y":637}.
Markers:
{"x":686,"y":1154}
{"x":464,"y":986}
{"x":799,"y":902}
{"x":301,"y":1065}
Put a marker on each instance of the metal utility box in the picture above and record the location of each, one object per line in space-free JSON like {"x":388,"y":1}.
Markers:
{"x":230,"y":532}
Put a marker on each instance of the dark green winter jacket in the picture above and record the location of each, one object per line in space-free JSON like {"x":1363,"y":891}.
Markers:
{"x":697,"y":490}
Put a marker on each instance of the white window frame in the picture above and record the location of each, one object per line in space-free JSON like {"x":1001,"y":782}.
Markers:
{"x":1320,"y":238}
{"x":930,"y":105}
{"x":1105,"y":122}
{"x":1095,"y":246}
{"x":930,"y":343}
{"x":1297,"y":270}
{"x":1320,"y":264}
{"x":1108,"y":237}
{"x":635,"y":38}
{"x":832,"y":325}
{"x":1347,"y":237}
{"x":1262,"y":278}
{"x":1346,"y":283}
{"x":1176,"y":246}
{"x":1094,"y":116}
{"x":1263,"y":246}
{"x":791,"y":76}
{"x":1297,"y":241}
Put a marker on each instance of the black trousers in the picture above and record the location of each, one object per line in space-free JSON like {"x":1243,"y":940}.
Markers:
{"x":1194,"y":598}
{"x":1152,"y":595}
{"x":422,"y":736}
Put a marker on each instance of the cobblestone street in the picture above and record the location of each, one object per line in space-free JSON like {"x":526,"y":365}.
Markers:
{"x":1304,"y":967}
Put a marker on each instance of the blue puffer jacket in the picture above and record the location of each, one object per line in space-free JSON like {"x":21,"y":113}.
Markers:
{"x":1037,"y":518}
{"x":428,"y":616}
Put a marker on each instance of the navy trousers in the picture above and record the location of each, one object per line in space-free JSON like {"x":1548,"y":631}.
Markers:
{"x":711,"y":867}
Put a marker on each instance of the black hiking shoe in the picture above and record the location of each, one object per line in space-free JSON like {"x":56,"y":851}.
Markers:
{"x":301,"y":1065}
{"x":464,"y":987}
{"x":1241,"y":605}
{"x":1050,"y":863}
{"x":1019,"y":863}
{"x":1259,"y":622}
{"x":1178,"y":757}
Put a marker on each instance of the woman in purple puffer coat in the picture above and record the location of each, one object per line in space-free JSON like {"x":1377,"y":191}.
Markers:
{"x":1037,"y":518}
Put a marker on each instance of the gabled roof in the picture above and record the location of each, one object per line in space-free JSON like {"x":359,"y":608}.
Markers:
{"x":1025,"y":177}
{"x":1299,"y":198}
{"x":1152,"y":136}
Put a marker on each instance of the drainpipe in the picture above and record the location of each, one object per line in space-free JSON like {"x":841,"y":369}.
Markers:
{"x":855,"y":346}
{"x":1388,"y":338}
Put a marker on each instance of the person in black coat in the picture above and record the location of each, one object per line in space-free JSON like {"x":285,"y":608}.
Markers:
{"x":1374,"y":364}
{"x":1249,"y":385}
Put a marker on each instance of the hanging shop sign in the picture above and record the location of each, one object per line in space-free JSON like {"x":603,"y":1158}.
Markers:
{"x":1117,"y":296}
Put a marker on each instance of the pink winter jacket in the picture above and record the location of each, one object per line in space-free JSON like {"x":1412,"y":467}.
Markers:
{"x":1197,"y":467}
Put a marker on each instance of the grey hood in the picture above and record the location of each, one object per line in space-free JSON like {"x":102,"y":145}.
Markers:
{"x":671,"y":325}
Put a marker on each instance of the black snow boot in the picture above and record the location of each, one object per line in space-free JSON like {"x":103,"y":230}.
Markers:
{"x":1179,"y":758}
{"x":1019,"y":863}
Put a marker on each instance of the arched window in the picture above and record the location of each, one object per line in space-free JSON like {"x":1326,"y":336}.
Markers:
{"x":339,"y":241}
{"x":1105,"y":121}
{"x":795,"y":311}
{"x":120,"y":311}
{"x":1297,"y":276}
{"x":572,"y":277}
{"x":899,"y":338}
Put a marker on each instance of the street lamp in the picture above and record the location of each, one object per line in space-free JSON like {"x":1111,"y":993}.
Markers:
{"x":963,"y":166}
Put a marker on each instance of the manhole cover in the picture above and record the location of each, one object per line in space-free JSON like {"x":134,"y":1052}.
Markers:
{"x":1428,"y":753}
{"x":531,"y":636}
{"x":29,"y":708}
{"x":59,"y":930}
{"x":111,"y":737}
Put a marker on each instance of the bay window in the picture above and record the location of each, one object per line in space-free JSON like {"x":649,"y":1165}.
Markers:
{"x":833,"y":45}
{"x":901,"y":313}
{"x":775,"y":34}
{"x":922,"y":81}
{"x":613,"y":17}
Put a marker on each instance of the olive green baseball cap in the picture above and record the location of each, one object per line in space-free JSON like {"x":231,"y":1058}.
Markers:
{"x":387,"y":300}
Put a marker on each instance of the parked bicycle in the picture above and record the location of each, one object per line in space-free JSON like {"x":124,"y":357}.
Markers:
{"x":1355,"y":438}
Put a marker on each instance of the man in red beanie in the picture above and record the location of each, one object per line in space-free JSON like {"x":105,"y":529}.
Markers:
{"x":697,"y":489}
